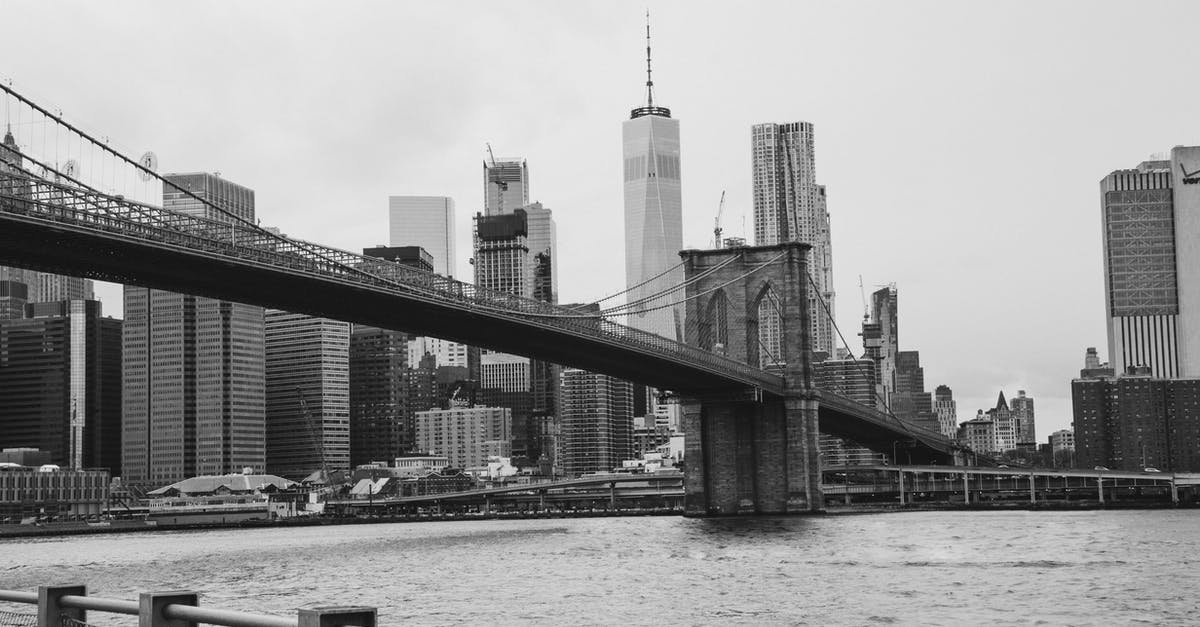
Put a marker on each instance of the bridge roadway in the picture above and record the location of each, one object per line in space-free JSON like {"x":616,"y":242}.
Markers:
{"x":49,"y":226}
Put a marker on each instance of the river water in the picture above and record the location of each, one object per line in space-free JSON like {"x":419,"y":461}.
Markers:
{"x":930,"y":568}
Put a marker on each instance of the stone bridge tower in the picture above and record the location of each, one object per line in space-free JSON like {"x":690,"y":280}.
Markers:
{"x":752,"y":453}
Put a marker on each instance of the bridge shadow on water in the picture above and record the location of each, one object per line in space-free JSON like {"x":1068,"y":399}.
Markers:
{"x":747,"y":526}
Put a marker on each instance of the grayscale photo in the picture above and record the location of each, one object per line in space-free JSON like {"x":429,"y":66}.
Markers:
{"x":589,"y":312}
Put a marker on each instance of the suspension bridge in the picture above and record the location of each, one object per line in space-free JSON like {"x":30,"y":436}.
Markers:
{"x":69,"y":204}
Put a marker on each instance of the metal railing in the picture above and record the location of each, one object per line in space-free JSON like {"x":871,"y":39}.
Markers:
{"x":25,"y":194}
{"x":68,"y":605}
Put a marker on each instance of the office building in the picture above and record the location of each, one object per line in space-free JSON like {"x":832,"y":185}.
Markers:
{"x":978,"y":434}
{"x":1004,"y":424}
{"x":381,"y":426}
{"x":653,"y":215}
{"x":425,"y":221}
{"x":308,"y":394}
{"x":13,"y":297}
{"x":1151,"y":231}
{"x":60,"y":384}
{"x":789,"y":206}
{"x":946,"y":410}
{"x":193,"y":369}
{"x":466,"y":436}
{"x":505,"y":185}
{"x":597,"y":422}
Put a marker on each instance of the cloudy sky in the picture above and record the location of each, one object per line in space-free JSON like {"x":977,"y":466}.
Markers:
{"x":961,"y":142}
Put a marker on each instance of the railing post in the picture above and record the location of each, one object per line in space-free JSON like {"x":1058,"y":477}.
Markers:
{"x":349,"y":616}
{"x":50,"y":613}
{"x":900,"y":478}
{"x":152,"y":604}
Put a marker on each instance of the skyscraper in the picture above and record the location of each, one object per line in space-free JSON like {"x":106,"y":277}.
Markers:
{"x":425,"y":221}
{"x":308,"y":394}
{"x":653,"y":213}
{"x":193,"y":369}
{"x":1151,"y":220}
{"x":505,"y":186}
{"x":790,"y":206}
{"x":381,"y":426}
{"x":881,"y":341}
{"x":60,"y":384}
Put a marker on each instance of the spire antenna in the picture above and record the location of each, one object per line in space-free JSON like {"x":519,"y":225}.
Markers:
{"x":649,"y":108}
{"x":649,"y":81}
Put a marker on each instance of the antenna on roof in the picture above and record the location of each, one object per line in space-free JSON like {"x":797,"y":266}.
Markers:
{"x":649,"y":82}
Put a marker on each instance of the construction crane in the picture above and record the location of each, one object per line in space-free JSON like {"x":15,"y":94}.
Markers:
{"x":500,"y":184}
{"x":312,"y":432}
{"x":863,"y":293}
{"x":717,"y":222}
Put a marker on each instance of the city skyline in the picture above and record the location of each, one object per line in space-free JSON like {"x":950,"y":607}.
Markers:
{"x":910,"y":156}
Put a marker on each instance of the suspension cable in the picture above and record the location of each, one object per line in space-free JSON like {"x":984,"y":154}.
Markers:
{"x":630,"y":289}
{"x":674,"y":288}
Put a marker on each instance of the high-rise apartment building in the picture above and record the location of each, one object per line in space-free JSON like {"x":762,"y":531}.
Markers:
{"x":1137,"y":421}
{"x":60,"y":384}
{"x":467,"y":436}
{"x":597,"y":422}
{"x":789,"y":206}
{"x":425,"y":221}
{"x":505,"y":186}
{"x":653,"y":214}
{"x":881,"y":340}
{"x":381,"y":426}
{"x":946,"y":410}
{"x":1151,"y":221}
{"x":193,"y":367}
{"x":308,"y":394}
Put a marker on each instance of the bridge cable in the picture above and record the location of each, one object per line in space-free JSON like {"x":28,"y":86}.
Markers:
{"x":634,"y":287}
{"x":670,"y":290}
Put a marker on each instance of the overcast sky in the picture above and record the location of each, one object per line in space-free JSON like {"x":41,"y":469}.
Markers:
{"x":961,"y":142}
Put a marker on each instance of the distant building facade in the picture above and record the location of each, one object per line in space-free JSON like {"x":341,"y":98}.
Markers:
{"x":1022,"y":409}
{"x":946,"y":410}
{"x":1137,"y":421}
{"x":307,"y":394}
{"x":192,"y":367}
{"x":466,"y":436}
{"x":381,"y":422}
{"x":597,"y":422}
{"x":425,"y":221}
{"x":60,"y":384}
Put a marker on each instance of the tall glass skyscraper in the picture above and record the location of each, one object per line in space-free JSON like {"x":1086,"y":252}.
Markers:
{"x":653,"y":214}
{"x":425,"y":221}
{"x":1151,"y":219}
{"x":789,"y":206}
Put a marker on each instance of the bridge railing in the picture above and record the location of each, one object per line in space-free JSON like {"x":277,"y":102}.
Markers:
{"x":26,"y":194}
{"x":67,"y":606}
